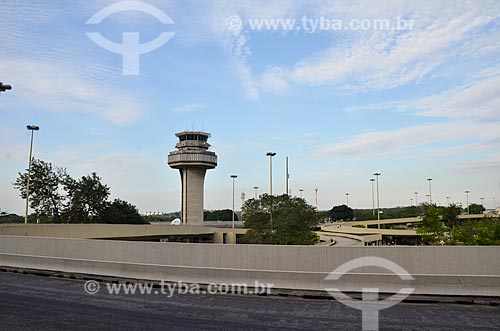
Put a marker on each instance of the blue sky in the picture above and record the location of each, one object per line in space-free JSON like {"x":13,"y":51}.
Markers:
{"x":341,"y":104}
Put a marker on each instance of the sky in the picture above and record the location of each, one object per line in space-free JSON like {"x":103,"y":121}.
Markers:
{"x":340,"y":96}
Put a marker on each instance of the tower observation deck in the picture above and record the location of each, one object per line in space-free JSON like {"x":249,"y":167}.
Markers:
{"x":192,"y":158}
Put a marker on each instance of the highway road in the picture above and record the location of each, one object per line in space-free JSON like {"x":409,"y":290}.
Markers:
{"x":29,"y":302}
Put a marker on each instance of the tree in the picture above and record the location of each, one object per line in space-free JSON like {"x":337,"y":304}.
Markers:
{"x":483,"y":232}
{"x":88,"y":199}
{"x":121,"y":212}
{"x":223,"y":215}
{"x":449,"y":214}
{"x":10,"y":218}
{"x":431,"y":227}
{"x":57,"y":197}
{"x":46,"y":188}
{"x":341,"y":213}
{"x":476,"y":209}
{"x":292,"y":221}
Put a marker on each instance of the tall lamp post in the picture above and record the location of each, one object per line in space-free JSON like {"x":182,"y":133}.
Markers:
{"x":373,"y":196}
{"x":411,"y":202}
{"x":378,"y":200}
{"x":430,"y":190}
{"x":416,"y":199}
{"x":301,"y":190}
{"x":347,"y":197}
{"x":467,"y":195}
{"x":316,"y":190}
{"x":256,"y":188}
{"x":271,"y":154}
{"x":287,"y":176}
{"x":32,"y":128}
{"x":448,"y":201}
{"x":482,"y":201}
{"x":233,"y":177}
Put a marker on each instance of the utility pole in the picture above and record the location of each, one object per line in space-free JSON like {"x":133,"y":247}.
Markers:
{"x":316,"y":190}
{"x":233,"y":177}
{"x":373,"y":196}
{"x":32,"y":128}
{"x":287,"y":176}
{"x":378,"y":200}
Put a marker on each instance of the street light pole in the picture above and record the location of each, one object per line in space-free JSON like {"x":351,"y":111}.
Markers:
{"x":448,"y":201}
{"x":373,"y":196}
{"x":467,"y":194}
{"x":287,"y":176}
{"x":482,"y":202}
{"x":378,"y":200}
{"x":347,"y":197}
{"x":301,"y":190}
{"x":271,"y":154}
{"x":256,"y":188}
{"x":32,"y":128}
{"x":316,"y":190}
{"x":430,"y":191}
{"x":233,"y":178}
{"x":411,"y":202}
{"x":416,"y":199}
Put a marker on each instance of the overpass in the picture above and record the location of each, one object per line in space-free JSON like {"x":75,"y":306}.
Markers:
{"x":144,"y":232}
{"x":368,"y":233}
{"x":446,"y":271}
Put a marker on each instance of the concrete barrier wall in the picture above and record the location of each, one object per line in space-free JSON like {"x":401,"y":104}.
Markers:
{"x":437,"y":270}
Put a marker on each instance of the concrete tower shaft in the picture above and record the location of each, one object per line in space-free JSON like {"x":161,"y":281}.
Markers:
{"x":192,"y":158}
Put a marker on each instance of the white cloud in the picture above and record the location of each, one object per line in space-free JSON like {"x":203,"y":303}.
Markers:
{"x":236,"y":43}
{"x":387,"y":60}
{"x":188,"y":108}
{"x":57,"y":88}
{"x":490,"y":164}
{"x":477,"y":100}
{"x":400,"y":141}
{"x":274,"y":80}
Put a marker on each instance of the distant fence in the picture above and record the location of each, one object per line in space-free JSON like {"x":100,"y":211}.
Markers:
{"x":449,"y":270}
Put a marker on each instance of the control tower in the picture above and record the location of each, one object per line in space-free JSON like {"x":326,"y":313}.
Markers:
{"x":192,"y":158}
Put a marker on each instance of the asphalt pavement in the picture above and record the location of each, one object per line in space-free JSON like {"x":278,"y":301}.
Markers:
{"x":30,"y":302}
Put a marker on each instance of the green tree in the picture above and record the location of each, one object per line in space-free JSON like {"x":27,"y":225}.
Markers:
{"x":484,"y":232}
{"x":449,"y":215}
{"x":10,"y":218}
{"x":476,"y":209}
{"x":431,"y":227}
{"x":224,"y":215}
{"x":292,"y":221}
{"x":47,"y":195}
{"x":88,"y":198}
{"x":121,"y":212}
{"x":341,"y":213}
